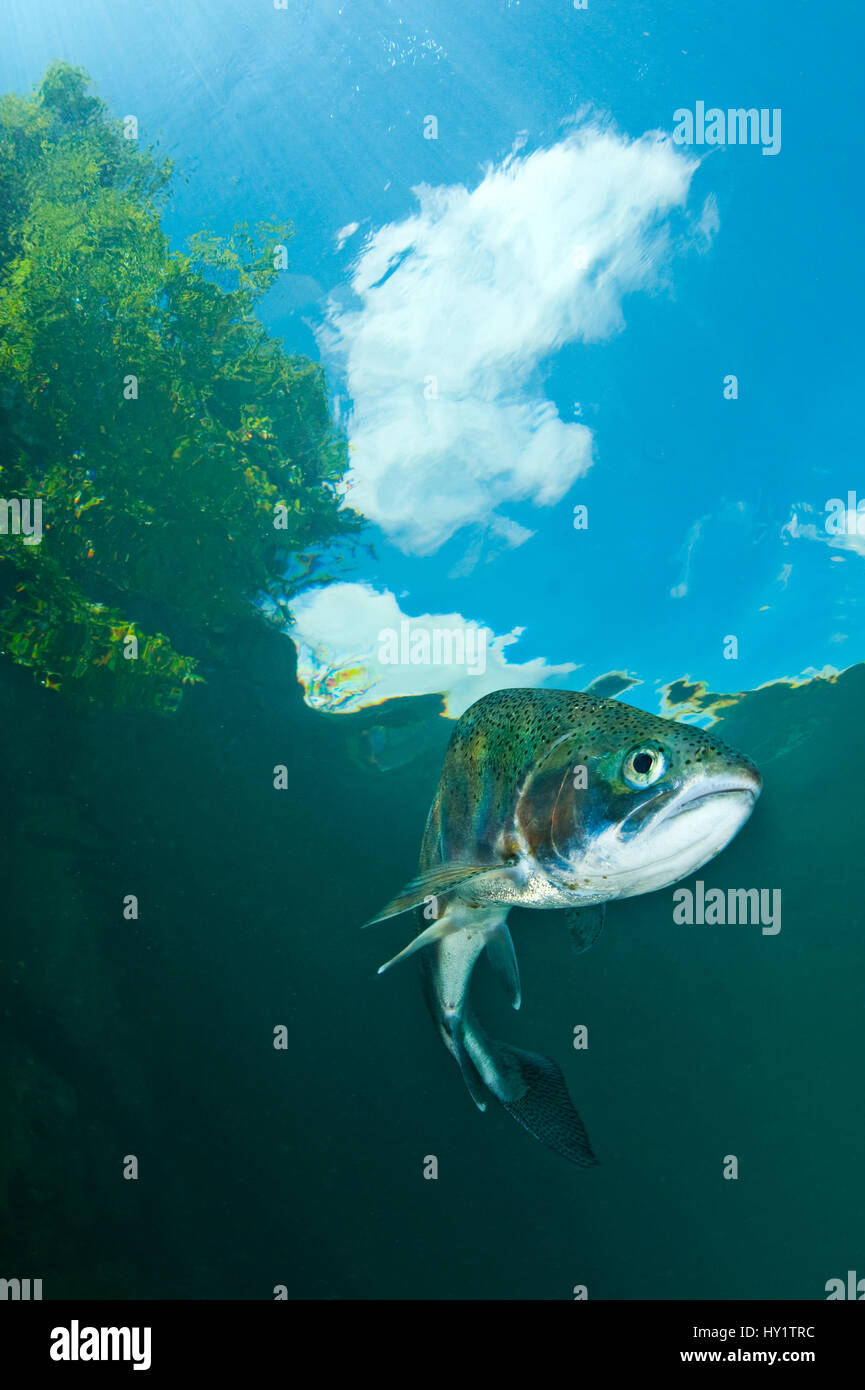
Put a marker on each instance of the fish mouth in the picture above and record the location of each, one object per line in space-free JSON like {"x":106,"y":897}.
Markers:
{"x":663,"y":810}
{"x":748,"y":788}
{"x":668,"y":804}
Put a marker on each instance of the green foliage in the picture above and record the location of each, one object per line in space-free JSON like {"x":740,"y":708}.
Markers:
{"x":165,"y":503}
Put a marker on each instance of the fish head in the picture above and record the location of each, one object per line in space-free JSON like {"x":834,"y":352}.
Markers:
{"x":628,"y":802}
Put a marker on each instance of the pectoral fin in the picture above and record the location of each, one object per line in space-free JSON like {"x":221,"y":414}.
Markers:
{"x":584,"y":925}
{"x":443,"y":878}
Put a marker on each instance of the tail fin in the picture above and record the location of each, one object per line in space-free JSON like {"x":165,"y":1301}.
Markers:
{"x":533,"y":1090}
{"x":547,"y":1111}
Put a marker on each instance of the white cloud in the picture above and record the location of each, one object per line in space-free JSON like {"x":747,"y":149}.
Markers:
{"x":344,"y":233}
{"x":457,"y":307}
{"x":338,"y":631}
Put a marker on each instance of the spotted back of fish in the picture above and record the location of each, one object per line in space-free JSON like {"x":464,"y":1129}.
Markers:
{"x":498,"y":743}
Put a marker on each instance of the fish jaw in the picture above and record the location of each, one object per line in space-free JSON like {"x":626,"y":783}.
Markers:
{"x":674,"y":837}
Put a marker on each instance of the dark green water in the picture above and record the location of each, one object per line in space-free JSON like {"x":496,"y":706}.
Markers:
{"x":304,"y":1166}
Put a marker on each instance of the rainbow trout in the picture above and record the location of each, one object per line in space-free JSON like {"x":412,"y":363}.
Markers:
{"x":556,"y":800}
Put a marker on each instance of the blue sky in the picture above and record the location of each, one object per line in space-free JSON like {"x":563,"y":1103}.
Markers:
{"x":705,"y":515}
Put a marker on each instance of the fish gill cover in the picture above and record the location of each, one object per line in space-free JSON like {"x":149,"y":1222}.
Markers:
{"x":172,"y":453}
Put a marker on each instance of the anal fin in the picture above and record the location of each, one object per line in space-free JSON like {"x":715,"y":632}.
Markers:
{"x":474,"y":1083}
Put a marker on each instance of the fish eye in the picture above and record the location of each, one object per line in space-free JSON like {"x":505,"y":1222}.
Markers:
{"x":643,"y":766}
